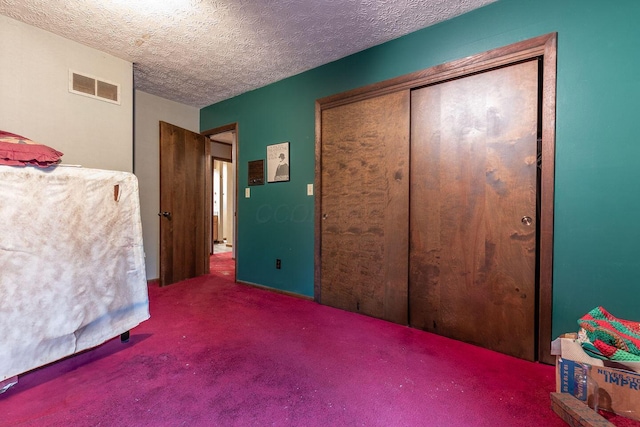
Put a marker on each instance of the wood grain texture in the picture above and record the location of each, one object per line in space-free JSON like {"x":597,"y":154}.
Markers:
{"x":521,"y":51}
{"x":364,"y":199}
{"x":543,"y":48}
{"x":184,"y":239}
{"x":576,"y":413}
{"x":317,"y":224}
{"x":473,"y":178}
{"x":167,"y":144}
{"x":547,"y":184}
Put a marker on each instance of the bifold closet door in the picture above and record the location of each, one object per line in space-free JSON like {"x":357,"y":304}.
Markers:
{"x":473,"y":209}
{"x":365,"y":206}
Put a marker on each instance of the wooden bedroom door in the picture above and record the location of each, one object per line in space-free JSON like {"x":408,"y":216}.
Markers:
{"x":185,"y":210}
{"x":364,"y":207}
{"x":473,"y":209}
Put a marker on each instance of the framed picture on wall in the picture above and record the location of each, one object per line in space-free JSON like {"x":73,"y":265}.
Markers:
{"x":256,"y":172}
{"x":278,"y":162}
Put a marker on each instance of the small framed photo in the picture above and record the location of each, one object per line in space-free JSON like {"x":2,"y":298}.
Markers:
{"x":256,"y":172}
{"x":278,"y":162}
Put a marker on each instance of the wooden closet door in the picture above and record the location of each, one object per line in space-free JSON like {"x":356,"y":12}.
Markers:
{"x":473,"y":209}
{"x":364,"y":202}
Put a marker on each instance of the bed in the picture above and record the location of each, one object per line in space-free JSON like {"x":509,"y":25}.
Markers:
{"x":72,"y":272}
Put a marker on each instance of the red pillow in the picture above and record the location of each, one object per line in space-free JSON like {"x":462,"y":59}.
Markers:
{"x":16,"y":150}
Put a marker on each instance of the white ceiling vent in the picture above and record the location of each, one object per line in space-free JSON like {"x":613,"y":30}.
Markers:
{"x":83,"y":84}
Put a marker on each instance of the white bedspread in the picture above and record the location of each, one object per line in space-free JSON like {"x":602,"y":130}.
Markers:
{"x":72,"y":272}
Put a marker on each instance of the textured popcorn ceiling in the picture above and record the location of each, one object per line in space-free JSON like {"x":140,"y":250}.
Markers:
{"x":199,"y":52}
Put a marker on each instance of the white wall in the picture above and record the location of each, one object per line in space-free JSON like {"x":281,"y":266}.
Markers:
{"x":150,"y":110}
{"x":35,"y":100}
{"x":229,"y":191}
{"x":227,"y":195}
{"x":220,"y":150}
{"x":223,"y":190}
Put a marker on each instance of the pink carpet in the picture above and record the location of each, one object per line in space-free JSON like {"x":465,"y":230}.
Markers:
{"x":216,"y":353}
{"x":222,"y":265}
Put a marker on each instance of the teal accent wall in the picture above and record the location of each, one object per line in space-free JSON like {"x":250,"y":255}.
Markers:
{"x":597,"y":192}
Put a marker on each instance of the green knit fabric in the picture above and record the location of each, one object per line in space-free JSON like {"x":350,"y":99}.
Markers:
{"x":615,"y":339}
{"x":592,"y":350}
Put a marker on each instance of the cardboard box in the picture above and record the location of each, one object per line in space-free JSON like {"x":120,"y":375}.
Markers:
{"x":605,"y":387}
{"x":567,"y":346}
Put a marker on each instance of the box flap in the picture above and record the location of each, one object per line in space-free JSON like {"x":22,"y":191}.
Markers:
{"x":568,"y":347}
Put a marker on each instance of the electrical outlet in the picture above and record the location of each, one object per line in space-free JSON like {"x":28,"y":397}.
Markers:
{"x":278,"y":264}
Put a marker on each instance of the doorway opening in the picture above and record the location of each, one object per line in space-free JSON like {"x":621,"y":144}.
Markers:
{"x":224,"y":148}
{"x":222,"y":209}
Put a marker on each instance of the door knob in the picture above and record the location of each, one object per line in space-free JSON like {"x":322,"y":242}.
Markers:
{"x":165,"y":214}
{"x":527,"y":220}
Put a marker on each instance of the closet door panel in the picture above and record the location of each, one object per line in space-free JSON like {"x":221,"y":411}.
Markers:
{"x":364,"y":202}
{"x":473,"y":209}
